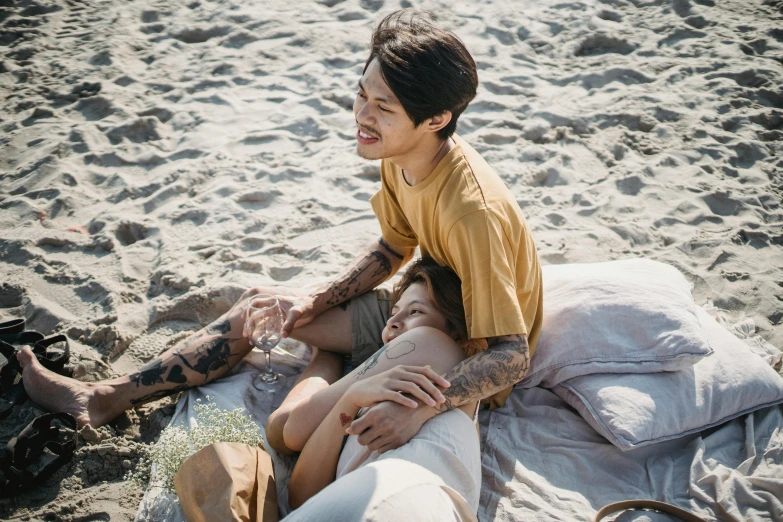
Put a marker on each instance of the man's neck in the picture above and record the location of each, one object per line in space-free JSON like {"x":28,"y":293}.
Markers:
{"x":418,"y":166}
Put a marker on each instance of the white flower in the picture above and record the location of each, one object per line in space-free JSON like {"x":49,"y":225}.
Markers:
{"x":160,"y":461}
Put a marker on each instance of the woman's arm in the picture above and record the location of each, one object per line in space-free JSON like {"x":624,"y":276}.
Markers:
{"x":317,"y":463}
{"x":307,"y":415}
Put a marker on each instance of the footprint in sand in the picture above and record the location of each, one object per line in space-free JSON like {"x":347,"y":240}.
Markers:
{"x":602,"y":43}
{"x":195,"y":35}
{"x":12,"y":296}
{"x":96,"y":108}
{"x":137,"y":131}
{"x":128,"y":233}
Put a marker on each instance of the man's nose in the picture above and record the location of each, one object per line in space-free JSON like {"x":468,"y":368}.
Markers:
{"x":363,"y":115}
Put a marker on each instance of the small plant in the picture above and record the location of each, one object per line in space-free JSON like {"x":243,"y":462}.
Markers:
{"x":160,"y":461}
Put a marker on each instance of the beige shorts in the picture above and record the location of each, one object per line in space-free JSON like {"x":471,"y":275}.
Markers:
{"x":369,"y":313}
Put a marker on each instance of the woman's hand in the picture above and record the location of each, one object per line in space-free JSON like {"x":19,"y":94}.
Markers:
{"x":417,"y":381}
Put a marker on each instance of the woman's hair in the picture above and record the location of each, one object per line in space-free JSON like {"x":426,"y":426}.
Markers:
{"x":445,"y":290}
{"x":427,"y":68}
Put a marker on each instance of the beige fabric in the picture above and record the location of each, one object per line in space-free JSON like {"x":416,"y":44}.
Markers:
{"x":227,"y":481}
{"x":465,"y":217}
{"x":369,"y":313}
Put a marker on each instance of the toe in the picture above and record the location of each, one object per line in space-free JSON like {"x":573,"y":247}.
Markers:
{"x":26,"y":356}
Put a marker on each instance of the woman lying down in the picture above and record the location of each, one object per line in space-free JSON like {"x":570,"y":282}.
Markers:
{"x":437,"y":474}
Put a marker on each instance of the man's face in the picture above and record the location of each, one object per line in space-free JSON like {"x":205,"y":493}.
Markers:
{"x":384,"y":129}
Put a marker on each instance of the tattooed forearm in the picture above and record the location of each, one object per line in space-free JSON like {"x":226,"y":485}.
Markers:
{"x":389,"y":249}
{"x":370,"y":271}
{"x":370,"y":363}
{"x":503,"y":364}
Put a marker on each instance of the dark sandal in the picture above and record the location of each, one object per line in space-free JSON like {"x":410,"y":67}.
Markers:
{"x":12,"y":327}
{"x":12,"y":390}
{"x":51,"y":357}
{"x":54,"y":360}
{"x":29,"y":337}
{"x":39,"y":450}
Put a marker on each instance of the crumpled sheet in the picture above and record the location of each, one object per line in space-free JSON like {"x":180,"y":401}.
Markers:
{"x":541,"y":461}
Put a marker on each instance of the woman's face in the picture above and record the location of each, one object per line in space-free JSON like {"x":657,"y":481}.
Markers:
{"x":414,"y":309}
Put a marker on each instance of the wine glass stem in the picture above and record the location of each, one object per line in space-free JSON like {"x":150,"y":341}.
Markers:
{"x":268,"y":355}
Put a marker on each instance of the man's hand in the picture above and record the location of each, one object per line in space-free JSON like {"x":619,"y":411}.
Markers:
{"x":389,"y":425}
{"x":296,"y":313}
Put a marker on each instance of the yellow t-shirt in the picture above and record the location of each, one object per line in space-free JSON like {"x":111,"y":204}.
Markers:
{"x":464,"y":217}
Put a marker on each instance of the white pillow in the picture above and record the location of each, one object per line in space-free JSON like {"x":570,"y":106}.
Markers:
{"x":629,"y":316}
{"x":633,"y":411}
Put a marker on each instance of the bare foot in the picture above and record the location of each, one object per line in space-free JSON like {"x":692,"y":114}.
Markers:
{"x":56,"y":393}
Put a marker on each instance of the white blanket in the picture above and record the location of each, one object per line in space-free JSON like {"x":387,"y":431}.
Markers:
{"x":541,"y":461}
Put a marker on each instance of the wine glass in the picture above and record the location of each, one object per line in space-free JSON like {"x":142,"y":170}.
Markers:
{"x":264,"y":322}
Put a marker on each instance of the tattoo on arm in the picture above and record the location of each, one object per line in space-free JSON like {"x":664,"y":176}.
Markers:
{"x":389,"y":249}
{"x":392,"y":351}
{"x":503,"y":364}
{"x":345,"y":420}
{"x":398,"y":350}
{"x":370,"y":363}
{"x":372,"y":270}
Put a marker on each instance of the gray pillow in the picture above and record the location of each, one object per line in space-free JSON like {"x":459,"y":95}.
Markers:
{"x":629,"y":316}
{"x":633,"y":411}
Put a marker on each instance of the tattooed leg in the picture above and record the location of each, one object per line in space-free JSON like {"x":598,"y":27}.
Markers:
{"x":202,"y":357}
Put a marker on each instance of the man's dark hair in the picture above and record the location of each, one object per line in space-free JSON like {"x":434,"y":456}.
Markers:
{"x":427,"y":68}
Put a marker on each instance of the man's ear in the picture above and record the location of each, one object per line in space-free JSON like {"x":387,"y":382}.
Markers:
{"x":439,"y":121}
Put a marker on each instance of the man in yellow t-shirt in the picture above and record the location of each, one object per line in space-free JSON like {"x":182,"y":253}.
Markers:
{"x":437,"y":193}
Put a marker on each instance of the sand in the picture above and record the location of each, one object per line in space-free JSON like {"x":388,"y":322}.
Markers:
{"x":157,"y":157}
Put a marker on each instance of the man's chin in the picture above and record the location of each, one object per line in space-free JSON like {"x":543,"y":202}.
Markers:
{"x":365,"y":154}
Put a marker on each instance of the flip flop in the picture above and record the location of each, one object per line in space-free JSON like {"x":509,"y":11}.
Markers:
{"x":39,"y":450}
